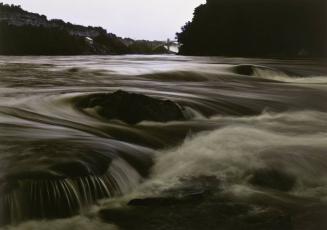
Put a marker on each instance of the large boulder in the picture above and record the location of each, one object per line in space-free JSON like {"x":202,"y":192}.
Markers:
{"x":132,"y":108}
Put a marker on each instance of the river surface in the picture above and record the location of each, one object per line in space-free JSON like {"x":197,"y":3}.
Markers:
{"x":252,"y":155}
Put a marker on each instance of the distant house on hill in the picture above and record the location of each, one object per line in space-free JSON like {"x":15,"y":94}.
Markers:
{"x":89,"y":40}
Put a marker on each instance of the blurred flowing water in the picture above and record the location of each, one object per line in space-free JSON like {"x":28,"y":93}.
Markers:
{"x":256,"y":142}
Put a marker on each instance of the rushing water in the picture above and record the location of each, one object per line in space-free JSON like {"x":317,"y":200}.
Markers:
{"x":253,"y":155}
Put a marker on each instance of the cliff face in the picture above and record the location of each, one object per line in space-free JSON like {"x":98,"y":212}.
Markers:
{"x":15,"y":16}
{"x":257,"y":28}
{"x":25,"y":33}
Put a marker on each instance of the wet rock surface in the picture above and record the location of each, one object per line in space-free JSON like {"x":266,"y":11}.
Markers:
{"x":132,"y":108}
{"x":198,"y":203}
{"x":69,"y":177}
{"x":244,"y":69}
{"x":273,"y":179}
{"x":189,"y":213}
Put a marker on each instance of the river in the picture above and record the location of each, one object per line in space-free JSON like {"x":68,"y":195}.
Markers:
{"x":251,"y":155}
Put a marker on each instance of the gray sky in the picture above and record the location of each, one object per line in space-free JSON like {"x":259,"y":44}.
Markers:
{"x":138,"y":19}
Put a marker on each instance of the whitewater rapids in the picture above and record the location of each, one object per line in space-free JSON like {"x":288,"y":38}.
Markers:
{"x":251,"y":154}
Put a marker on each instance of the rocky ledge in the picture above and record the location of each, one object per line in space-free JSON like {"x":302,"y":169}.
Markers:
{"x":132,"y":108}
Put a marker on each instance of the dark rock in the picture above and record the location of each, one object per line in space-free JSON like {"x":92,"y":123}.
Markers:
{"x":132,"y":108}
{"x":313,"y":217}
{"x":244,"y":69}
{"x":164,"y":201}
{"x":154,"y":201}
{"x":79,"y":169}
{"x":53,"y":179}
{"x":192,"y":190}
{"x":270,"y":219}
{"x":207,"y":214}
{"x":273,"y":179}
{"x":63,"y":170}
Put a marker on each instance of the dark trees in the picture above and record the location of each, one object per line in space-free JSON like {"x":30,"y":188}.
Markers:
{"x":257,"y":28}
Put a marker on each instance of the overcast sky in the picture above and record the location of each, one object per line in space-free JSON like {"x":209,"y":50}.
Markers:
{"x":138,"y":19}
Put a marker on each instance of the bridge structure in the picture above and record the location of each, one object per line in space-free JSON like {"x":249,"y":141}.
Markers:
{"x":172,"y":45}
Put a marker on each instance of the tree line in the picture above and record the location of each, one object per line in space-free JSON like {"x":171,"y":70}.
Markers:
{"x":257,"y":28}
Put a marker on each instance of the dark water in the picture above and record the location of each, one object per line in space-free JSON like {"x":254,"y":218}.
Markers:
{"x":253,"y":155}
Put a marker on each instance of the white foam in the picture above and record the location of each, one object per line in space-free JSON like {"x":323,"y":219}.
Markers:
{"x":277,"y":75}
{"x":252,"y":143}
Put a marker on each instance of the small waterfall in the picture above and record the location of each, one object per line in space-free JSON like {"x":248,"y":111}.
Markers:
{"x":251,"y":151}
{"x":58,"y":198}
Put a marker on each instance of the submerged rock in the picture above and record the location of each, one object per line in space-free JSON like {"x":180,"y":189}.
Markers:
{"x":191,"y":189}
{"x":251,"y":70}
{"x":206,"y":213}
{"x":153,"y":201}
{"x":50,"y":180}
{"x":163,"y":201}
{"x":244,"y":69}
{"x":132,"y":108}
{"x":273,"y":179}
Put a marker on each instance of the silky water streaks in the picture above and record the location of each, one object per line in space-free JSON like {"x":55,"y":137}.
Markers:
{"x":118,"y":142}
